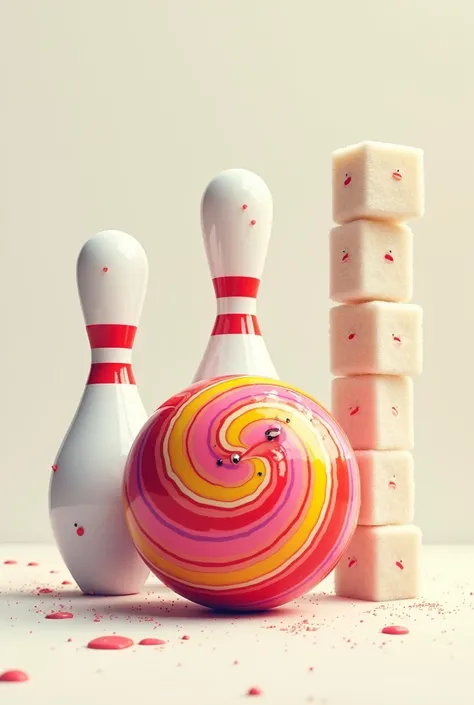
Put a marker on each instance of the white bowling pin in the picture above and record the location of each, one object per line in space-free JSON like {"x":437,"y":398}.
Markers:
{"x":236,"y":219}
{"x":86,"y":505}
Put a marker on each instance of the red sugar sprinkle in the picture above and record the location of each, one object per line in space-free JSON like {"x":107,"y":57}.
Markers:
{"x":395,"y":631}
{"x":60,"y":615}
{"x":14,"y":677}
{"x":254,"y":691}
{"x":152,"y":642}
{"x":110,"y":642}
{"x":10,"y":562}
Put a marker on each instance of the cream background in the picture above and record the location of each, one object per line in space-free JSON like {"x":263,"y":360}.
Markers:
{"x":115,"y":114}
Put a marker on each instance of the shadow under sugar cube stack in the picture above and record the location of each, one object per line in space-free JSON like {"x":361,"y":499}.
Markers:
{"x":376,"y":349}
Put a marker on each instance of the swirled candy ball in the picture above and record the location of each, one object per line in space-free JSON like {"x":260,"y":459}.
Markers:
{"x":241,"y":493}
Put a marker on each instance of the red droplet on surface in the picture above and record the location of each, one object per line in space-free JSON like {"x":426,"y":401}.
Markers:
{"x":105,"y":269}
{"x":395,"y":630}
{"x":152,"y":642}
{"x":10,"y":562}
{"x":31,"y":563}
{"x":244,"y":207}
{"x":80,"y":531}
{"x":60,"y":615}
{"x":44,"y":591}
{"x":252,"y":222}
{"x":54,"y":468}
{"x":66,"y":582}
{"x":254,"y":691}
{"x":69,"y":639}
{"x":186,"y":637}
{"x":111,"y":643}
{"x":14,"y":677}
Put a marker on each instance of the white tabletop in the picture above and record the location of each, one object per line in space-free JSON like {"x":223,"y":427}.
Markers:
{"x":320,"y":650}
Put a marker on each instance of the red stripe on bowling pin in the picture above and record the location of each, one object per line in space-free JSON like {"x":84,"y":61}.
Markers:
{"x":111,"y":373}
{"x":236,"y":324}
{"x":236,"y":286}
{"x":111,"y":335}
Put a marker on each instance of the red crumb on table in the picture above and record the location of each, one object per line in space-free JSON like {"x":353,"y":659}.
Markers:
{"x":110,"y":643}
{"x":31,"y":563}
{"x":186,"y":637}
{"x":254,"y":691}
{"x":395,"y":631}
{"x":14,"y":677}
{"x":152,"y":642}
{"x":59,"y":615}
{"x":10,"y":561}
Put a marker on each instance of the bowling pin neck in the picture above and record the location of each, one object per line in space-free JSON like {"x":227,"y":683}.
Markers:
{"x":236,"y":306}
{"x":111,"y":354}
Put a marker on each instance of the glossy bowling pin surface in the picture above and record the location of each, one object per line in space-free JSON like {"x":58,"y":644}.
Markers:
{"x":236,"y":220}
{"x":86,"y":507}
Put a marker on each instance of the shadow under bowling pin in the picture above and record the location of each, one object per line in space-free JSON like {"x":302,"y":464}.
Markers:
{"x":236,"y":220}
{"x":86,"y":507}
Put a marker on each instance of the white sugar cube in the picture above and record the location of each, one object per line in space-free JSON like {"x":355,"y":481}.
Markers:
{"x":377,"y":337}
{"x":381,"y":563}
{"x":387,"y":487}
{"x":371,"y":261}
{"x":375,"y":411}
{"x":378,"y":181}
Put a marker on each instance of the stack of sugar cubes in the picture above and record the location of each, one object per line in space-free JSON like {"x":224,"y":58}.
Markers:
{"x":376,"y":349}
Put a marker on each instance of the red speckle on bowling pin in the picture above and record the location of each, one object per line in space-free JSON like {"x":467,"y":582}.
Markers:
{"x":105,"y":269}
{"x":389,"y":256}
{"x":399,"y":564}
{"x":244,"y":207}
{"x":353,"y":410}
{"x":10,"y":561}
{"x":252,"y":222}
{"x":79,"y":530}
{"x":345,"y":256}
{"x":351,"y":336}
{"x":14,"y":677}
{"x":396,"y":339}
{"x":351,"y":562}
{"x":347,"y":180}
{"x":54,"y":468}
{"x":395,"y":410}
{"x":396,"y":176}
{"x":392,"y":484}
{"x":32,"y":563}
